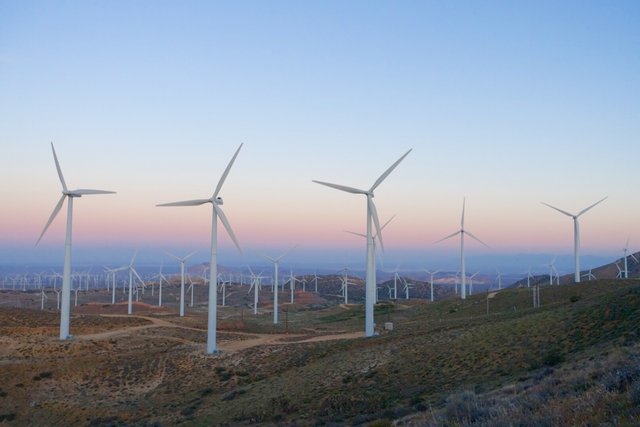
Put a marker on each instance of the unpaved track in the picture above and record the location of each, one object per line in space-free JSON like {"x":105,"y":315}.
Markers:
{"x":227,"y":346}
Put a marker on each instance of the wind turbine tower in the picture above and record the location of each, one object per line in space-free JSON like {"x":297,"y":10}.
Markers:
{"x":576,"y":235}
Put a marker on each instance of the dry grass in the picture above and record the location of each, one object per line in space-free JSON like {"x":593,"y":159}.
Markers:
{"x":570,"y":362}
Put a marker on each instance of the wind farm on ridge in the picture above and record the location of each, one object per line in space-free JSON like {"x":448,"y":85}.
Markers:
{"x":320,"y":311}
{"x":319,"y":213}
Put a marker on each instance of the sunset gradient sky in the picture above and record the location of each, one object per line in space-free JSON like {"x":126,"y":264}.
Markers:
{"x":506,"y":103}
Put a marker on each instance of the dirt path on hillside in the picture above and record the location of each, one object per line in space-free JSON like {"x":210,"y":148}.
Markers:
{"x":227,"y":346}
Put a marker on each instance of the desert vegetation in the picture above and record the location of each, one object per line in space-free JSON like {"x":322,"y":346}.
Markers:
{"x":574,"y":360}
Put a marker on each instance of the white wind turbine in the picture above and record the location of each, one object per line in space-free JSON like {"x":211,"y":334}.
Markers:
{"x":576,"y":235}
{"x":431,"y":274}
{"x":255,"y":285}
{"x":372,"y":217}
{"x":292,"y":283}
{"x":620,"y":274}
{"x":132,"y":272}
{"x":471,"y":282}
{"x":182,"y":262}
{"x":344,"y":288}
{"x":624,"y":251}
{"x":276,"y":263}
{"x":375,"y":251}
{"x":589,"y":275}
{"x":161,"y":277}
{"x":216,"y":202}
{"x":529,"y":276}
{"x":113,"y":272}
{"x":499,"y":278}
{"x":552,"y":269}
{"x":65,"y":311}
{"x":462,"y":232}
{"x":315,"y":281}
{"x":407,"y":286}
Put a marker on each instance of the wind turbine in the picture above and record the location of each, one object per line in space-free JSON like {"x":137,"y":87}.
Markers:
{"x":113,"y":272}
{"x":374,"y":238}
{"x":471,"y":282}
{"x":552,"y":269}
{"x":576,"y":234}
{"x":372,"y":216}
{"x":624,"y":251}
{"x":462,"y":232}
{"x":431,"y":273}
{"x":590,"y":276}
{"x":276,"y":263}
{"x":65,"y":312}
{"x":216,"y":202}
{"x":182,"y":262}
{"x":529,"y":276}
{"x":407,"y":286}
{"x":315,"y":280}
{"x":255,"y":284}
{"x":292,"y":283}
{"x":132,"y":272}
{"x":499,"y":278}
{"x":620,"y":274}
{"x":160,"y":278}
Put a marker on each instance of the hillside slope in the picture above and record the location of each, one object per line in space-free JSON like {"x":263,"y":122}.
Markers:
{"x":450,"y":358}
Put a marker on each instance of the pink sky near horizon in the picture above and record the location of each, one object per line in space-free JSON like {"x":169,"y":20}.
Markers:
{"x":100,"y":224}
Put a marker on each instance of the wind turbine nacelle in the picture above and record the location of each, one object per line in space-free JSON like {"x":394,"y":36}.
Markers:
{"x":219,"y":201}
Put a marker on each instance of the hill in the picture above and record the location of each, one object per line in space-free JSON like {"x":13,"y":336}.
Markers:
{"x":575,"y":360}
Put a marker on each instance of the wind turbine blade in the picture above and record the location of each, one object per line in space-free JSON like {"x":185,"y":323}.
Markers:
{"x":196,"y":202}
{"x":341,"y":187}
{"x":226,"y":172}
{"x":388,"y":171}
{"x":447,"y":237}
{"x":56,"y":209}
{"x":586,"y":209}
{"x":386,"y":223}
{"x":269,"y":258}
{"x":137,"y":275}
{"x":190,"y":255}
{"x":55,"y":158}
{"x":172,"y":256}
{"x":475,"y":238}
{"x":376,"y":221}
{"x":464,"y":200}
{"x":135,"y":254}
{"x":354,"y":233}
{"x":227,"y":226}
{"x":559,"y":210}
{"x":285,"y":253}
{"x":84,"y":191}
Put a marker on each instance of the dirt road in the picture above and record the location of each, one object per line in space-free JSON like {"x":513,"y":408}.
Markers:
{"x":226,"y":346}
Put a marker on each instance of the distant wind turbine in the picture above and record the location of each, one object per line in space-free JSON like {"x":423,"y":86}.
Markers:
{"x":65,"y":312}
{"x":216,"y":202}
{"x":276,"y":262}
{"x":372,"y":216}
{"x":431,"y":274}
{"x":625,"y":251}
{"x":576,"y":235}
{"x":462,"y":232}
{"x":182,"y":262}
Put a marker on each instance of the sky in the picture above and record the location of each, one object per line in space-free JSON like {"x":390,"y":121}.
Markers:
{"x":505,"y":103}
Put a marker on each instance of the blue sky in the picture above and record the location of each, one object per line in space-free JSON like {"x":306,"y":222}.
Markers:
{"x":507,"y":103}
